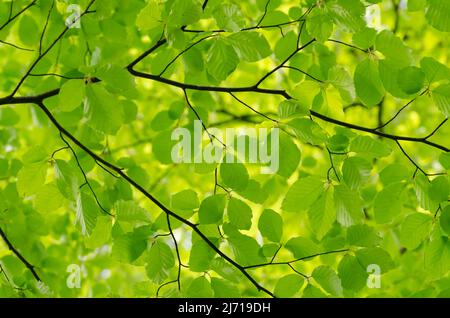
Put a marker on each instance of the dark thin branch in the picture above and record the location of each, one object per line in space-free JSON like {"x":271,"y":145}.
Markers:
{"x":43,"y":54}
{"x":163,"y":285}
{"x":410,"y":159}
{"x":211,"y":136}
{"x":169,"y":225}
{"x":264,"y":14}
{"x":149,"y":196}
{"x":284,"y":62}
{"x":399,"y":111}
{"x":303,"y":72}
{"x":30,"y":267}
{"x":209,"y":88}
{"x":349,"y":45}
{"x":436,"y":129}
{"x":298,"y":272}
{"x":84,"y":175}
{"x":12,"y":18}
{"x":205,"y":3}
{"x":45,"y":26}
{"x":141,"y":57}
{"x":16,"y":46}
{"x":396,"y":7}
{"x":252,"y":109}
{"x":56,"y":75}
{"x":184,"y":51}
{"x":296,"y":260}
{"x":423,"y":140}
{"x":332,"y":168}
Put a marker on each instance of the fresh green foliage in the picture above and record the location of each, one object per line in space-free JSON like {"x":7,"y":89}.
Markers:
{"x":92,"y":92}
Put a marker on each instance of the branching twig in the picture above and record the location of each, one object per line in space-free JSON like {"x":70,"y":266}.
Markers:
{"x":30,"y":267}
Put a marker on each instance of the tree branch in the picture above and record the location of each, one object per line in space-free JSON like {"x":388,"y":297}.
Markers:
{"x":19,"y":255}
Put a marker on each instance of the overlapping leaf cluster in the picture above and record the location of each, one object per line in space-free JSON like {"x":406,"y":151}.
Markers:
{"x":91,"y":92}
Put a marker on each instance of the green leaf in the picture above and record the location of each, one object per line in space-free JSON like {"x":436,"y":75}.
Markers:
{"x":362,"y":235}
{"x":239,"y":214}
{"x":184,"y":12}
{"x":160,"y":260}
{"x":319,"y":25}
{"x":287,"y":286}
{"x":250,"y":46}
{"x":246,"y":249}
{"x":347,"y":14}
{"x":353,"y":276}
{"x":150,"y":16}
{"x":434,"y":71}
{"x":31,"y":178}
{"x":393,"y":48}
{"x":438,"y":14}
{"x":234,"y":175}
{"x":200,"y":257}
{"x":365,"y":38}
{"x":302,"y":247}
{"x":368,"y":85}
{"x":228,"y":16}
{"x":71,"y":95}
{"x":129,"y":211}
{"x":444,"y":220}
{"x":48,"y":199}
{"x":377,"y":256}
{"x":437,"y":255}
{"x":290,"y":108}
{"x":87,"y":213}
{"x":415,"y":229}
{"x":8,"y":117}
{"x":308,"y":131}
{"x":200,"y":288}
{"x":343,"y":82}
{"x":394,"y":173}
{"x":388,"y":203}
{"x":101,"y":234}
{"x":368,"y":146}
{"x":222,"y":59}
{"x":311,"y":291}
{"x":356,"y":172}
{"x":185,"y":200}
{"x":411,"y":79}
{"x":349,"y":209}
{"x":223,"y":288}
{"x":389,"y":73}
{"x":212,"y":209}
{"x":322,"y":214}
{"x":422,"y":189}
{"x":98,"y":106}
{"x":285,"y":46}
{"x":28,"y":30}
{"x":338,"y":143}
{"x":117,"y":79}
{"x":328,"y":280}
{"x":163,"y":147}
{"x":270,"y":225}
{"x":129,"y":247}
{"x":303,"y":194}
{"x":289,"y":156}
{"x":441,"y":97}
{"x":439,"y":189}
{"x":416,"y":5}
{"x":444,"y":159}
